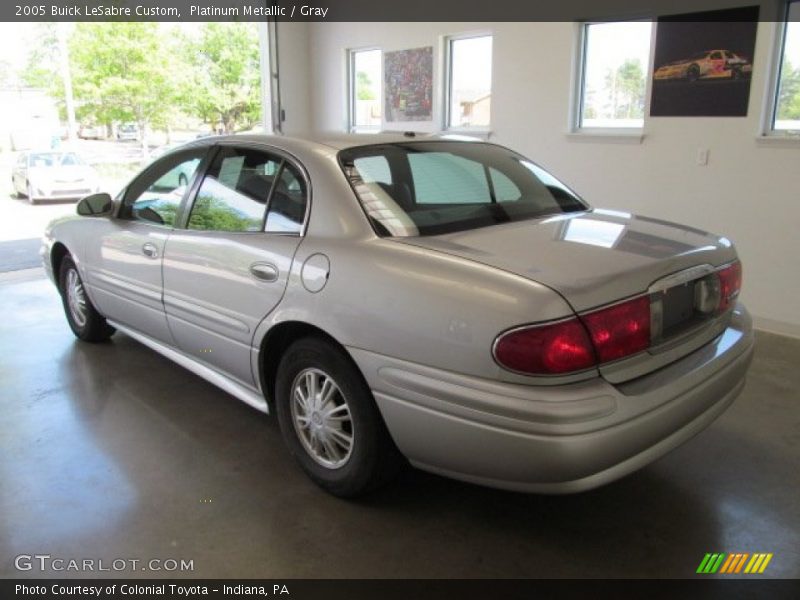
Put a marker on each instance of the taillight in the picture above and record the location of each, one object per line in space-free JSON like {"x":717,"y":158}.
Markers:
{"x":549,"y":349}
{"x":578,"y":343}
{"x":730,"y":282}
{"x":595,"y":337}
{"x":620,"y":330}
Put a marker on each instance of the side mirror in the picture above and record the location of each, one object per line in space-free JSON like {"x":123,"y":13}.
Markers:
{"x":95,"y":205}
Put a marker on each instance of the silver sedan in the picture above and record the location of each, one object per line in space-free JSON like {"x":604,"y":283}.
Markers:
{"x":400,"y":298}
{"x":53,"y":175}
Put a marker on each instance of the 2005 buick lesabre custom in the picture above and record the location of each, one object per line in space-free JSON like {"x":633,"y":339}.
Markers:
{"x":391,"y":296}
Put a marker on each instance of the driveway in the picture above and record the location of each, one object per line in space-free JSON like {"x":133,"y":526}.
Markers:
{"x":22,"y":224}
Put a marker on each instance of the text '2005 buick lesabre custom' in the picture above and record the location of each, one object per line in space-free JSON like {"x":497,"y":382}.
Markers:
{"x":394,"y":297}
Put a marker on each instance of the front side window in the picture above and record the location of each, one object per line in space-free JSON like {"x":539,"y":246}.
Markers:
{"x":249,"y":190}
{"x":469,"y":89}
{"x":155,"y":196}
{"x":365,"y":90}
{"x":787,"y":97}
{"x":431,"y":188}
{"x":614,"y":74}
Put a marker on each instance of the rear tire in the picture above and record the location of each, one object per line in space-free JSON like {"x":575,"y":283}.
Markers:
{"x":86,"y":323}
{"x":330,"y":422}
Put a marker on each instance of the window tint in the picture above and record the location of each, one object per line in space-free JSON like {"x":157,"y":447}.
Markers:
{"x":443,"y":187}
{"x":505,"y":190}
{"x":374,"y":168}
{"x":287,"y":207}
{"x":444,"y":178}
{"x":156,"y":195}
{"x":234,"y":192}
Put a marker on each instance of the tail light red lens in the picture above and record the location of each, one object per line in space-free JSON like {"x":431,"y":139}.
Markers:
{"x":593,"y":338}
{"x":730,"y":282}
{"x":550,"y":349}
{"x":620,"y":330}
{"x":579,"y":343}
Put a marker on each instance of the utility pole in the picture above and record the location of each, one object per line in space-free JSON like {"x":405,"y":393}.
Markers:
{"x":66,"y":77}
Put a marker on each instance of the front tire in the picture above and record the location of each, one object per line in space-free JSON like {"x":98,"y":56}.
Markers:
{"x":330,"y":422}
{"x":86,"y":323}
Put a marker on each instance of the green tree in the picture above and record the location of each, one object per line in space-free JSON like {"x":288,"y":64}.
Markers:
{"x":627,"y":84}
{"x":789,"y":92}
{"x":121,"y":72}
{"x":364,"y":86}
{"x":223,"y":85}
{"x":41,"y":67}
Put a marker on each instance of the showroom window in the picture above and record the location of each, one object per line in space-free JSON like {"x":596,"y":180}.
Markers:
{"x":613,"y":75}
{"x":364,"y":77}
{"x":786,"y":107}
{"x":469,"y":82}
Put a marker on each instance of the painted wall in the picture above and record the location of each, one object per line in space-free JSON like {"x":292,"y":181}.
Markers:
{"x":749,"y":191}
{"x":295,"y":77}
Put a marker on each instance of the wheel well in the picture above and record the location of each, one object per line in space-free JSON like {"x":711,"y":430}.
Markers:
{"x":57,"y":255}
{"x":274,"y":345}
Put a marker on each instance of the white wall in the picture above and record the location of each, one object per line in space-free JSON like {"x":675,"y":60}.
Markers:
{"x":749,"y":191}
{"x":294,"y":73}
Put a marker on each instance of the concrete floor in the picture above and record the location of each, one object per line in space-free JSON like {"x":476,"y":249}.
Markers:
{"x":111,"y":451}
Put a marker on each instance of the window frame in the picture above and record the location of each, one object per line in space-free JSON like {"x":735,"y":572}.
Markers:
{"x":767,"y":130}
{"x":447,"y":70}
{"x":182,"y":221}
{"x":351,"y":89}
{"x":576,"y":127}
{"x":208,"y":153}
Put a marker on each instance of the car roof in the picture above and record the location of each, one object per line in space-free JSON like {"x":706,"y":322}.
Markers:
{"x":332,"y":141}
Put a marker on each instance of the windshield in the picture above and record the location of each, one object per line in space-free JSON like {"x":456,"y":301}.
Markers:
{"x":54,"y":159}
{"x":431,"y":188}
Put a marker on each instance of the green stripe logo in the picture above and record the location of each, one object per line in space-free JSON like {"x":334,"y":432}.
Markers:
{"x":711,"y":563}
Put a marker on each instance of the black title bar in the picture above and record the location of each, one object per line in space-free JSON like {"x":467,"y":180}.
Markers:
{"x":363,"y":10}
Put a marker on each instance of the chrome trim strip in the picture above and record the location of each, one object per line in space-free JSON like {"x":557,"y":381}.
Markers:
{"x":681,"y":277}
{"x":226,"y":384}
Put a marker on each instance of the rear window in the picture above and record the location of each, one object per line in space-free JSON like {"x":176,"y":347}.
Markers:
{"x":431,"y":188}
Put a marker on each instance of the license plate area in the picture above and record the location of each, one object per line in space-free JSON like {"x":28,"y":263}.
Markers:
{"x":681,"y":304}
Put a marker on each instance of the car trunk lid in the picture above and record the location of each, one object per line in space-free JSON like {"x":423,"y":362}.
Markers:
{"x":599,"y":257}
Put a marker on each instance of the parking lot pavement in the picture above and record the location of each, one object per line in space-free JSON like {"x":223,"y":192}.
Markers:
{"x":19,"y":220}
{"x":16,"y":255}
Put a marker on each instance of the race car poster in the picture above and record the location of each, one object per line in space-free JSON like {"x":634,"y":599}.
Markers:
{"x":703,"y":63}
{"x":409,"y":85}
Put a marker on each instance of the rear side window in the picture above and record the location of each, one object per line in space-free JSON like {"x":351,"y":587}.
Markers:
{"x":248,"y":190}
{"x":431,"y":188}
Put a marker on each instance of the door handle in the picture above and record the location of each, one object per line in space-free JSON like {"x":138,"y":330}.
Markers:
{"x":150,"y":250}
{"x":264,"y":271}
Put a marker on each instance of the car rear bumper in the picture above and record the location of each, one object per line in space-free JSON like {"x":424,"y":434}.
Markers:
{"x":556,"y":439}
